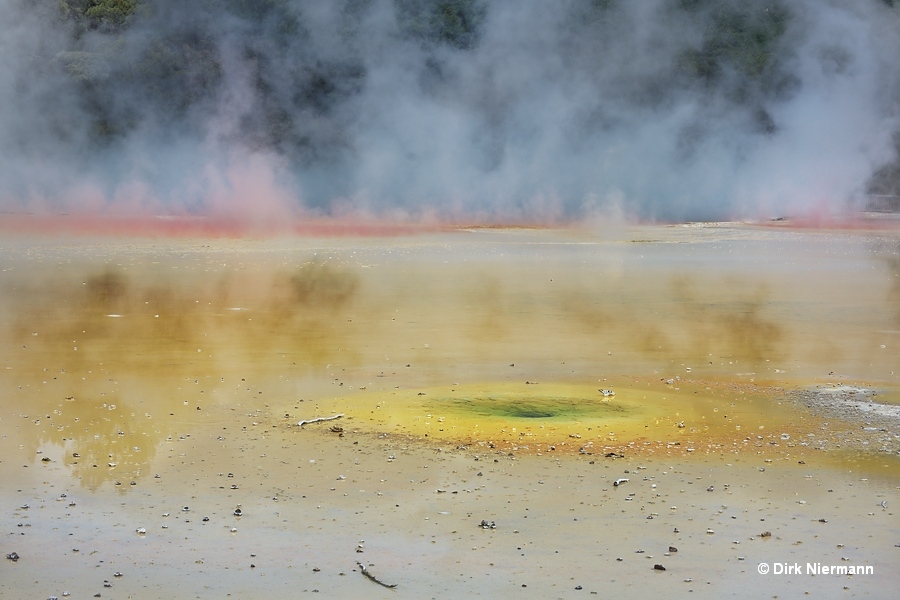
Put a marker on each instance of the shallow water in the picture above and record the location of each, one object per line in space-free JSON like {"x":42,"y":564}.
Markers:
{"x":113,"y":346}
{"x":124,"y":360}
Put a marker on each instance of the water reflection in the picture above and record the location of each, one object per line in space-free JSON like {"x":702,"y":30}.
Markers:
{"x":111,"y":355}
{"x":891,"y":257}
{"x":687,"y":317}
{"x":100,"y":430}
{"x":103,"y":364}
{"x":156,"y":325}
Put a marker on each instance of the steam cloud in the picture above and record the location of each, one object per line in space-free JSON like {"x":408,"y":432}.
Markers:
{"x":454,"y":109}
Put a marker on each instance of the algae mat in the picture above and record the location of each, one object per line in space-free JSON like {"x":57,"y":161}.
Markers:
{"x":554,"y":416}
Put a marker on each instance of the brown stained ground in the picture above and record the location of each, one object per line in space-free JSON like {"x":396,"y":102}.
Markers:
{"x":157,"y":374}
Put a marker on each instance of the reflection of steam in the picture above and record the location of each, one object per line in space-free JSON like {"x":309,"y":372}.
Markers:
{"x":106,"y":291}
{"x":159,"y":326}
{"x":696,"y":323}
{"x":318,"y":285}
{"x":490,"y":315}
{"x":121,"y":347}
{"x":117,"y":445}
{"x":299,"y":315}
{"x":106,"y":433}
{"x":892,"y":259}
{"x":735,"y":328}
{"x":611,"y":321}
{"x":190,"y":327}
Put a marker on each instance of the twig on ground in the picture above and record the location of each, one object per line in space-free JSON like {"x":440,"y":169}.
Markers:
{"x":362,"y":569}
{"x":317,"y":419}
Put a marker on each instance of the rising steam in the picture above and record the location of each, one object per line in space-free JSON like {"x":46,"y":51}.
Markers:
{"x":449,"y":109}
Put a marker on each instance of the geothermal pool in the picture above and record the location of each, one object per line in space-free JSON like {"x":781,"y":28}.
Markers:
{"x":751,"y":377}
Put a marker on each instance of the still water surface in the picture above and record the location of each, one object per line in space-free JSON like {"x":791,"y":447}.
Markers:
{"x":111,"y":347}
